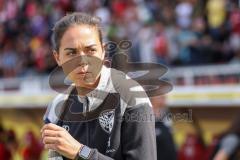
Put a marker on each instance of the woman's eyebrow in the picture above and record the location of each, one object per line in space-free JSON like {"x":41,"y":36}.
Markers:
{"x":75,"y":49}
{"x":90,"y":46}
{"x":72,"y":49}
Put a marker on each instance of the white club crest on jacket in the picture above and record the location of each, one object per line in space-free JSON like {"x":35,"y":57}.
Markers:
{"x":106,"y":120}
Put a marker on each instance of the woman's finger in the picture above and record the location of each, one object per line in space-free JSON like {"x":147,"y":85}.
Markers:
{"x":51,"y":126}
{"x":50,"y":133}
{"x":51,"y":140}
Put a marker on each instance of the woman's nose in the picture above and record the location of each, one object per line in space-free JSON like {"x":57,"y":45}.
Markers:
{"x":82,"y":58}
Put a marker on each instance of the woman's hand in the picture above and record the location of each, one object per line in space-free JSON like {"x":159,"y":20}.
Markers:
{"x":58,"y":139}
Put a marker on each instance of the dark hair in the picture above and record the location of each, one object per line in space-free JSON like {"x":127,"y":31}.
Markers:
{"x":76,"y":18}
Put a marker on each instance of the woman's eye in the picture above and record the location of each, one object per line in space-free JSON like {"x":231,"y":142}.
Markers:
{"x":92,"y":51}
{"x":71,"y":53}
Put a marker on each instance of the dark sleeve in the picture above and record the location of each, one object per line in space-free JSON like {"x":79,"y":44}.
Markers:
{"x":138,"y":135}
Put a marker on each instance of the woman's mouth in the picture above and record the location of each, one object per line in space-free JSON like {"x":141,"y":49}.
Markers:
{"x":82,"y":73}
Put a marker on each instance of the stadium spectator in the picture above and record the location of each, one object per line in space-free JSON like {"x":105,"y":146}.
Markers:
{"x":166,"y":149}
{"x":33,"y":148}
{"x":5,"y":153}
{"x":227,"y":147}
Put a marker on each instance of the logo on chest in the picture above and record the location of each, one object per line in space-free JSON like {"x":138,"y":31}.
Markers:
{"x":106,"y":120}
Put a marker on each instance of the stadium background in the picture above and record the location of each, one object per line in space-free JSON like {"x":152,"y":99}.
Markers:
{"x":198,"y":40}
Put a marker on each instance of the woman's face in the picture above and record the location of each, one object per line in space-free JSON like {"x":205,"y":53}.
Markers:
{"x":81,"y":55}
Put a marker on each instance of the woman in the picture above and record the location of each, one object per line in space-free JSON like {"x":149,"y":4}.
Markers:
{"x":98,"y":117}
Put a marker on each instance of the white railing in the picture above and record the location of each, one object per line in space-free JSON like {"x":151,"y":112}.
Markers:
{"x":31,"y":83}
{"x":35,"y":91}
{"x":189,"y":73}
{"x":41,"y":83}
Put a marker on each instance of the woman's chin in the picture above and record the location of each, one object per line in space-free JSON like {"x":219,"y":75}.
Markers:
{"x":88,"y":83}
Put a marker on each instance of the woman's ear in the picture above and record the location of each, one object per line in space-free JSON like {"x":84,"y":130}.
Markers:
{"x":56,"y":56}
{"x":103,"y":50}
{"x":106,"y":60}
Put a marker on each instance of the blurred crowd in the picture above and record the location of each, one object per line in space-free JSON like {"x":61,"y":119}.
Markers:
{"x":175,"y":33}
{"x":30,"y":147}
{"x":224,"y":146}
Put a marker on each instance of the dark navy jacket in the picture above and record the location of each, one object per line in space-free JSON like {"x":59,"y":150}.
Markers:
{"x":110,"y":130}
